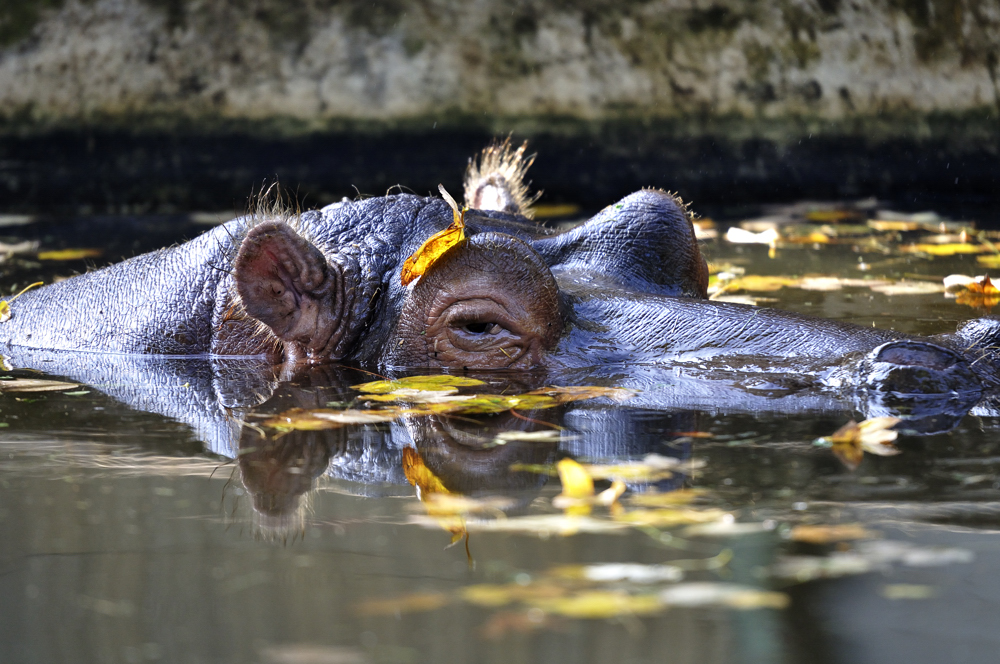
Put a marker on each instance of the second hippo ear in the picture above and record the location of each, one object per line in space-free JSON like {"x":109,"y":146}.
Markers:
{"x":287,"y":283}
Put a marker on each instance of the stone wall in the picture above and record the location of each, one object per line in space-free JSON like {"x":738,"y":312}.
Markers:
{"x":729,"y":66}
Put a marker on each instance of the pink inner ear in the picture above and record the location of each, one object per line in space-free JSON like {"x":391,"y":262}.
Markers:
{"x":275,"y":269}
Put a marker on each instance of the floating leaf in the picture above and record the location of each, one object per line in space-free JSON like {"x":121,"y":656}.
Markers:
{"x":549,"y":435}
{"x":667,"y":518}
{"x":991,"y":261}
{"x":439,"y":382}
{"x":894,"y":225}
{"x":428,"y":484}
{"x":69,"y":254}
{"x":974,"y":292}
{"x":436,"y":245}
{"x":299,"y":419}
{"x":728,"y":595}
{"x":577,"y":488}
{"x":741,"y":236}
{"x":669,"y":498}
{"x":759,"y":284}
{"x":830,"y":216}
{"x":829,"y":534}
{"x":419,"y":475}
{"x":492,"y":595}
{"x":652,"y":468}
{"x":618,"y":572}
{"x":428,"y":601}
{"x":850,"y":441}
{"x":908,"y":288}
{"x":540,"y":525}
{"x":582,"y":392}
{"x":595,"y":604}
{"x":896,"y":591}
{"x":949,"y":249}
{"x":35,"y":385}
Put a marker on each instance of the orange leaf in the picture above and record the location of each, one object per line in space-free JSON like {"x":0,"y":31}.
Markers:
{"x":420,"y":475}
{"x":436,"y":245}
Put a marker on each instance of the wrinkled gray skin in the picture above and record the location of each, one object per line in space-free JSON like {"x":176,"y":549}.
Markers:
{"x":628,"y":284}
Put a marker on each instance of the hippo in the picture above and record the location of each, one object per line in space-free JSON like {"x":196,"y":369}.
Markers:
{"x":626,"y":288}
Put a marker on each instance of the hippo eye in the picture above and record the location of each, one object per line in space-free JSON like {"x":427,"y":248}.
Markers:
{"x":489,"y":302}
{"x":481,"y":328}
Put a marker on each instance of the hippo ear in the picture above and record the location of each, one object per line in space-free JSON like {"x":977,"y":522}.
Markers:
{"x":645,"y":242}
{"x":285,"y":282}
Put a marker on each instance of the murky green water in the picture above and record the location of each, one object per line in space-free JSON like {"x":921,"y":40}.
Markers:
{"x":152,"y":514}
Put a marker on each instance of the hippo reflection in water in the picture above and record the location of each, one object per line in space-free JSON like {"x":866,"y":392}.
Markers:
{"x":626,"y":288}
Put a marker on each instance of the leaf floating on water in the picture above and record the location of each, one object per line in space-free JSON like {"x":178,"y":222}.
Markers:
{"x":896,"y":591}
{"x":740,"y":236}
{"x":577,"y":488}
{"x":652,"y":468}
{"x":69,"y":254}
{"x":908,"y":288}
{"x":976,"y":292}
{"x":428,"y":601}
{"x":428,"y":484}
{"x":35,"y":385}
{"x":851,"y":441}
{"x":439,"y":382}
{"x":601,"y":604}
{"x":669,"y":498}
{"x":299,"y":419}
{"x":667,"y":518}
{"x":545,"y":436}
{"x":582,"y":392}
{"x":618,"y":572}
{"x":829,"y":534}
{"x":727,"y":595}
{"x":949,"y":249}
{"x":436,"y":245}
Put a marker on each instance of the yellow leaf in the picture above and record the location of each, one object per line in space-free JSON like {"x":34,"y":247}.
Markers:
{"x":949,"y":249}
{"x":601,"y":604}
{"x":576,"y":482}
{"x":577,"y":488}
{"x":428,"y":601}
{"x":679,"y":497}
{"x":908,"y":591}
{"x":665,"y":518}
{"x":69,"y":254}
{"x":993,"y":260}
{"x":851,"y":441}
{"x":827,"y":216}
{"x":758,"y":284}
{"x":581,"y":392}
{"x":436,"y":245}
{"x":300,"y":419}
{"x":892,"y":225}
{"x":419,"y":475}
{"x":440,"y":382}
{"x":829,"y":534}
{"x":494,"y":595}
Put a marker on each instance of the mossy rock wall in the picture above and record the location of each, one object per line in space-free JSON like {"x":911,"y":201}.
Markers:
{"x":736,"y":68}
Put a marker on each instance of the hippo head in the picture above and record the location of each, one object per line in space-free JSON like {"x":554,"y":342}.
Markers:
{"x":510,"y":295}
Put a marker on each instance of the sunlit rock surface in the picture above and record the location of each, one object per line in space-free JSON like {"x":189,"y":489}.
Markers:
{"x":322,"y":62}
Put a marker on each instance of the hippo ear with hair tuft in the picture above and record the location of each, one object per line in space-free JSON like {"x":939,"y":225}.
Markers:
{"x":285,"y":282}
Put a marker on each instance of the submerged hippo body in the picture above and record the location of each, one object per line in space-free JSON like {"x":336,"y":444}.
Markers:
{"x":626,"y":287}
